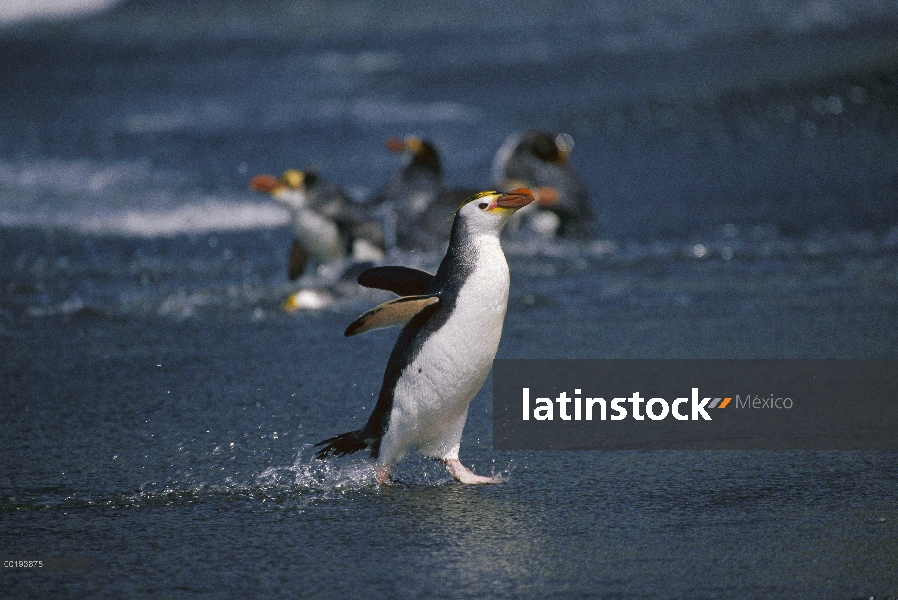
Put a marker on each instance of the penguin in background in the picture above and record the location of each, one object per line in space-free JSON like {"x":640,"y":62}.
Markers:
{"x":452,"y":323}
{"x":416,"y":205}
{"x":327,"y":225}
{"x":539,"y":160}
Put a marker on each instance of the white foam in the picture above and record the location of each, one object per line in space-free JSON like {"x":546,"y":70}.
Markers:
{"x":204,"y":117}
{"x":364,"y":62}
{"x":20,"y":11}
{"x":123,"y":197}
{"x":70,"y":177}
{"x":200,"y":217}
{"x":322,"y":476}
{"x":389,"y":111}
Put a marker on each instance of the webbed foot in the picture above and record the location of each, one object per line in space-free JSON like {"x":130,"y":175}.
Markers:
{"x":465,"y":475}
{"x":382,"y":475}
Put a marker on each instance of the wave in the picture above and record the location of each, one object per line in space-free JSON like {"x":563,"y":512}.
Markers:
{"x":615,"y":25}
{"x":122,"y":197}
{"x":20,"y":11}
{"x":206,"y":216}
{"x":202,"y":216}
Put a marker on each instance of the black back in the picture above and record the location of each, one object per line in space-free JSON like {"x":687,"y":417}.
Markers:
{"x":457,"y":266}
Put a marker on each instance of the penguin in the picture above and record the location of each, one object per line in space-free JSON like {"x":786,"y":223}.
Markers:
{"x":539,"y":160}
{"x":328,"y":226}
{"x":419,"y":194}
{"x":452,"y":324}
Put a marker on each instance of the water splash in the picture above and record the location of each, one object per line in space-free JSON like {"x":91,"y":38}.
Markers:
{"x":308,"y":474}
{"x":318,"y":478}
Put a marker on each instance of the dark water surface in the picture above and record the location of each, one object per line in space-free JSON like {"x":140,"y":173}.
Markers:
{"x":158,"y":406}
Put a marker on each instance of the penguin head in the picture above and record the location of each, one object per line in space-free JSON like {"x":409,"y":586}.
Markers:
{"x":288,"y":189}
{"x":546,"y":147}
{"x":489,"y":211}
{"x":422,"y":154}
{"x":296,"y":180}
{"x":534,"y":159}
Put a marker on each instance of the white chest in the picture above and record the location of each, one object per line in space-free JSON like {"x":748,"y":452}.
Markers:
{"x":319,"y":234}
{"x":431,"y":399}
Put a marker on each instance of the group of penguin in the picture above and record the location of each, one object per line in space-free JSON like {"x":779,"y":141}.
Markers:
{"x":413,"y":210}
{"x":452,"y":320}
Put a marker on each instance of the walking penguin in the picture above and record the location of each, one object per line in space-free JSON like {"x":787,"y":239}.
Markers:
{"x":452,"y":324}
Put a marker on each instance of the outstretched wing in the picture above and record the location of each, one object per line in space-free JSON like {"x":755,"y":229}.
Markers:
{"x":394,"y":312}
{"x":403,"y":281}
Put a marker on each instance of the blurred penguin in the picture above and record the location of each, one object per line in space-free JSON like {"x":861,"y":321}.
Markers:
{"x":539,"y":160}
{"x":418,"y":193}
{"x":328,"y":226}
{"x":337,"y":234}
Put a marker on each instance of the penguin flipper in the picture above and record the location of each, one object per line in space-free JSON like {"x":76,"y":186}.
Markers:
{"x":403,"y":281}
{"x":296,"y":262}
{"x":394,"y":312}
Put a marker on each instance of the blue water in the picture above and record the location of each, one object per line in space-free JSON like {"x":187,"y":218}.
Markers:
{"x":158,"y":405}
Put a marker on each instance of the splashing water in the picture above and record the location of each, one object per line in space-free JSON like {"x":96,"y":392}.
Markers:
{"x":308,"y":474}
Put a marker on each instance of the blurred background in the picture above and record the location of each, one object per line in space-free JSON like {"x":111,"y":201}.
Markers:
{"x":150,"y":117}
{"x":743,"y":129}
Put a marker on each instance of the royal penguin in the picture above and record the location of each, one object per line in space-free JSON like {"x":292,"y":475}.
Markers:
{"x":452,"y":324}
{"x":416,"y":203}
{"x":540,"y":161}
{"x":328,"y":226}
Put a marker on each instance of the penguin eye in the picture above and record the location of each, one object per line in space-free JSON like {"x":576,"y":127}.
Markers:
{"x":482,"y":205}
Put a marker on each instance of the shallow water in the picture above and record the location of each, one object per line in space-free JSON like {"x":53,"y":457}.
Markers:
{"x":159,"y":406}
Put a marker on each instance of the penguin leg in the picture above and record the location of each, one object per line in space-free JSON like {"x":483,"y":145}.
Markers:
{"x":465,"y":475}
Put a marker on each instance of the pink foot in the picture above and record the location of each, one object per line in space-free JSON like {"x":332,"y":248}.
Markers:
{"x":465,"y":475}
{"x":382,"y":475}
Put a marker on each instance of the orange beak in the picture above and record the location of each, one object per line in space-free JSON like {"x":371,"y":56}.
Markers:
{"x":547,"y":196}
{"x":515,"y":199}
{"x":395,"y":145}
{"x":264,"y":183}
